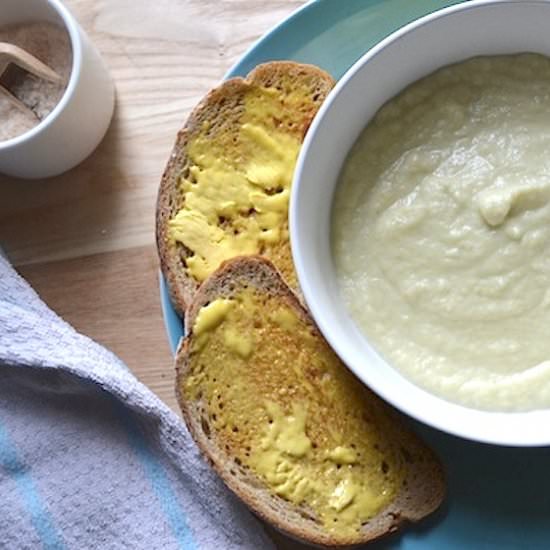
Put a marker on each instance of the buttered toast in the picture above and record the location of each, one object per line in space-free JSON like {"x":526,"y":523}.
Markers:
{"x":225,"y":190}
{"x":289,"y":429}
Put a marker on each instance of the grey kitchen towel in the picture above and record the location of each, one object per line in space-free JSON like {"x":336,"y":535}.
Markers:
{"x":89,"y":457}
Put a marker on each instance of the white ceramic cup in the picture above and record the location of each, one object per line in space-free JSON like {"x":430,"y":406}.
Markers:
{"x":79,"y":121}
{"x":477,"y":27}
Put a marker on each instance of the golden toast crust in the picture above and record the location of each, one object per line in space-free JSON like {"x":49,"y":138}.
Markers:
{"x":221,"y":108}
{"x":424,"y":486}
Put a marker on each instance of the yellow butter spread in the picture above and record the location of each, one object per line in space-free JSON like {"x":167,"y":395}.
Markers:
{"x":237,"y":342}
{"x":285,"y":407}
{"x":211,"y":316}
{"x":284,"y":318}
{"x":286,"y":434}
{"x":343,"y":455}
{"x":236,"y":190}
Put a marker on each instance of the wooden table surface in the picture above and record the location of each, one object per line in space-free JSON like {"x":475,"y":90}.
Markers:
{"x":85,"y":240}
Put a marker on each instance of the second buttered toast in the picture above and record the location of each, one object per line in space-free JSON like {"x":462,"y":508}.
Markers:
{"x":226,"y":188}
{"x":289,"y":429}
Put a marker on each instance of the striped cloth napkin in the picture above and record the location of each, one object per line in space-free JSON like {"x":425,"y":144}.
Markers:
{"x":89,"y":457}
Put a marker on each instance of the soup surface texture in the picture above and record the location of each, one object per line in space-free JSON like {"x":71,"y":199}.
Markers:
{"x":441,"y":232}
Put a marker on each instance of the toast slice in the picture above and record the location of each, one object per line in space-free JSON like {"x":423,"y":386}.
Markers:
{"x":225,"y":190}
{"x":288,"y":428}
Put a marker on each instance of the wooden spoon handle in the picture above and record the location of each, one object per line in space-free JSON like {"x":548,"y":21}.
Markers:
{"x":16,"y":102}
{"x":13,"y":54}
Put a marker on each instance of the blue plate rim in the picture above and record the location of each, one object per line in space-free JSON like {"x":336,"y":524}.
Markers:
{"x":464,"y":518}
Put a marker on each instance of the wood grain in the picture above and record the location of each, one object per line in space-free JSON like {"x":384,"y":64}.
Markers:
{"x":85,"y":240}
{"x":163,"y":56}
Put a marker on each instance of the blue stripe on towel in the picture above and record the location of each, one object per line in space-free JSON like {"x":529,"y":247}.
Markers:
{"x":40,"y":517}
{"x":170,"y":505}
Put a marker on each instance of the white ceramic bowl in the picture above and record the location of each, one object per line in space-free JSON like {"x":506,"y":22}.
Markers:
{"x":79,"y":121}
{"x":478,"y":27}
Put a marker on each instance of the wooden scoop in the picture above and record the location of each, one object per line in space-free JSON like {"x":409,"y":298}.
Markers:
{"x":13,"y":55}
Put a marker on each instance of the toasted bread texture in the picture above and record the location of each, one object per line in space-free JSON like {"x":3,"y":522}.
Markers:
{"x":288,"y":428}
{"x":225,"y":190}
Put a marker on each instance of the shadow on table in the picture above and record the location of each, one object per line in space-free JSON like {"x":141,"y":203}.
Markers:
{"x":74,"y":207}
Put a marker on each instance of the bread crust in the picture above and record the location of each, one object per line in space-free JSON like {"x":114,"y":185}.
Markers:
{"x":221,"y":106}
{"x":424,"y":486}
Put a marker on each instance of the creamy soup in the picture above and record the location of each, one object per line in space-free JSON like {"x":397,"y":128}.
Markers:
{"x":441,"y":232}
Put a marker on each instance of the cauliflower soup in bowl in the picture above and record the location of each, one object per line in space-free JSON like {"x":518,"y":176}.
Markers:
{"x":436,"y":311}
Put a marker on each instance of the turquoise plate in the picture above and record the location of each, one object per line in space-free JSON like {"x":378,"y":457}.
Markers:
{"x":499,"y":498}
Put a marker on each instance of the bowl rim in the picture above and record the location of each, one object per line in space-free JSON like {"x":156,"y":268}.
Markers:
{"x":463,"y":419}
